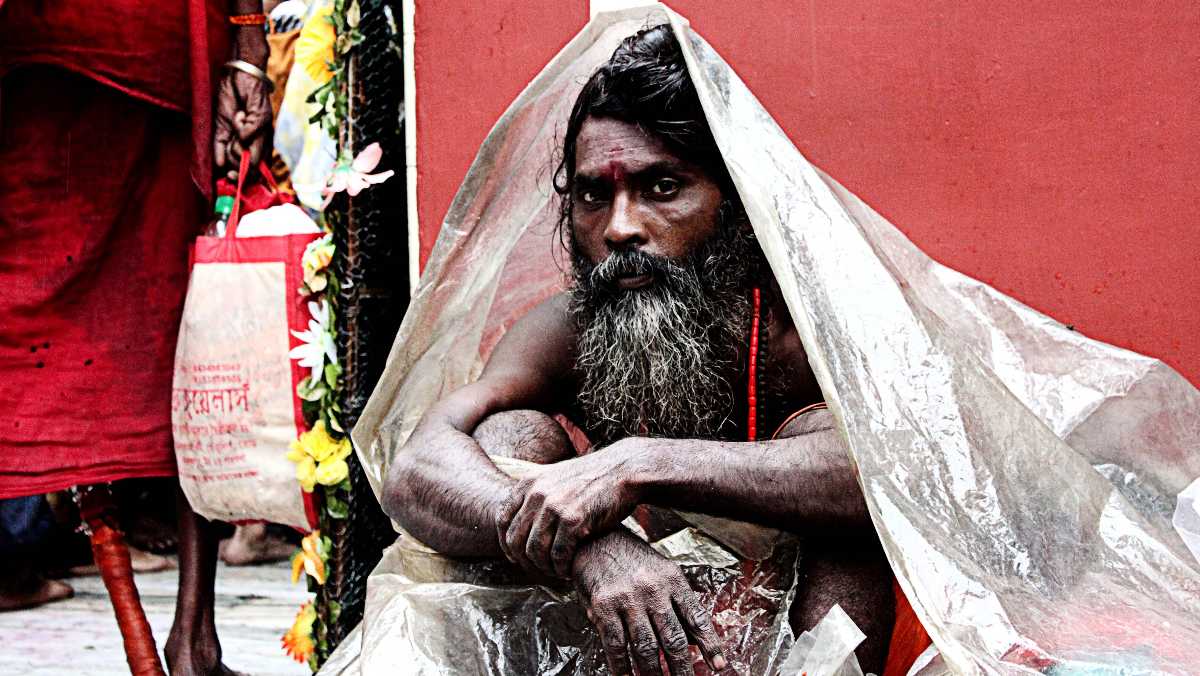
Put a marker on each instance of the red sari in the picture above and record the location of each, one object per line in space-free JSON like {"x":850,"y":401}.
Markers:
{"x":105,"y":171}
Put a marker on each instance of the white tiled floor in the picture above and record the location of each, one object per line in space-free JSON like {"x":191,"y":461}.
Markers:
{"x":255,"y":606}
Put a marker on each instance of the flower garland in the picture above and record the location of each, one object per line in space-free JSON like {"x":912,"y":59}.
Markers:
{"x":320,"y":454}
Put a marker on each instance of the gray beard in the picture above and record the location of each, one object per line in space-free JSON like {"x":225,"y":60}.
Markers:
{"x":662,"y":360}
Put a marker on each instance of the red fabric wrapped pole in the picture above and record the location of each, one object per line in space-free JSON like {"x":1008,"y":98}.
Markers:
{"x":112,"y":558}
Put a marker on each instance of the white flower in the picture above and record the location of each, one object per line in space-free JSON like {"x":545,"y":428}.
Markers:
{"x":318,"y":343}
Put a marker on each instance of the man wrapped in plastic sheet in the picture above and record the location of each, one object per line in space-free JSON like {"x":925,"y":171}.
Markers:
{"x":1020,"y":478}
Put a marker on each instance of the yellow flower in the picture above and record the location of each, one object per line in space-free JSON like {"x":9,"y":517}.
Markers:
{"x":298,"y":642}
{"x":316,"y":258}
{"x":319,"y":445}
{"x":306,"y":473}
{"x":296,"y":451}
{"x":332,"y":472}
{"x":314,"y":46}
{"x":318,"y":253}
{"x":310,"y":558}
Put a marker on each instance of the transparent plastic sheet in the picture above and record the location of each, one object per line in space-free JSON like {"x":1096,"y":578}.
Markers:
{"x":1022,"y":477}
{"x":1187,"y":517}
{"x":827,"y":649}
{"x":436,"y":615}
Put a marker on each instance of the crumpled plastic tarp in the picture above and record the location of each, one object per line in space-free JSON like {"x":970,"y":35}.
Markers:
{"x":1187,"y":517}
{"x":827,"y":649}
{"x":1021,"y":477}
{"x":436,"y":615}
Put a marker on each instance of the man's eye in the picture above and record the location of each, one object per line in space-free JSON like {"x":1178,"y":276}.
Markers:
{"x":664,"y":187}
{"x":589,"y":196}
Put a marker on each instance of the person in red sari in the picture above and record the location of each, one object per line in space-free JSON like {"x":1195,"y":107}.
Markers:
{"x":109,"y":139}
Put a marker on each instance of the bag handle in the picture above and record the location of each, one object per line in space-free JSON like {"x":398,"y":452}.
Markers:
{"x":268,"y":177}
{"x":243,"y":169}
{"x":235,"y":214}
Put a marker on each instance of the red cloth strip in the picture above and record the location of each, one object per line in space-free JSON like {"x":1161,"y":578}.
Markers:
{"x":248,"y":19}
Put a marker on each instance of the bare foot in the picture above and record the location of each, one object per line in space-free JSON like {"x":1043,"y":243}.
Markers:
{"x":200,"y":657}
{"x":142,"y":562}
{"x":252,"y":544}
{"x":41,"y":592}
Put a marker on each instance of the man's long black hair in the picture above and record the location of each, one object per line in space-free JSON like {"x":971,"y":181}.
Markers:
{"x":645,"y":83}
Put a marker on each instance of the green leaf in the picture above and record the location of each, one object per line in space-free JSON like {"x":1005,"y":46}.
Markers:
{"x":332,"y":371}
{"x":335,"y":507}
{"x":311,"y":410}
{"x":308,"y":391}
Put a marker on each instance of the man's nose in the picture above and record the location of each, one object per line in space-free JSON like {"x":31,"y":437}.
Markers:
{"x":624,"y":227}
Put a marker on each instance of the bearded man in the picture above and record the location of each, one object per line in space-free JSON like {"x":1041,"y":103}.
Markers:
{"x":675,"y":354}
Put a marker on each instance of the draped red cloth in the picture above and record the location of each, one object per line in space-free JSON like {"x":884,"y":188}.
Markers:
{"x":909,"y":638}
{"x":105,"y":172}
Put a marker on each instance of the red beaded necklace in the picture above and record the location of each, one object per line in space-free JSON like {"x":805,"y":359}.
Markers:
{"x":752,"y":377}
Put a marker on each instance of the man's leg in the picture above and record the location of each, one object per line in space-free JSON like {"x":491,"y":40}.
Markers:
{"x":192,"y":648}
{"x":853,"y":573}
{"x":524,"y":435}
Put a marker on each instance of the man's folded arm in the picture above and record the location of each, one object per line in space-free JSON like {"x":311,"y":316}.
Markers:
{"x":442,"y":487}
{"x":801,"y":482}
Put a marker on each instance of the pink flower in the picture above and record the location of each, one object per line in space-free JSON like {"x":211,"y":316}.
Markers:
{"x":353,"y":177}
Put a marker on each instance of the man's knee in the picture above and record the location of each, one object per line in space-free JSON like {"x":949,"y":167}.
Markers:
{"x":525,"y":435}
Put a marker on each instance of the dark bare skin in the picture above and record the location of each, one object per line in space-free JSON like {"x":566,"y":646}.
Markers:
{"x":565,"y":522}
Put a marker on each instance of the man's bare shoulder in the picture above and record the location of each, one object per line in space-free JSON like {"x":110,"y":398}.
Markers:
{"x":539,"y":349}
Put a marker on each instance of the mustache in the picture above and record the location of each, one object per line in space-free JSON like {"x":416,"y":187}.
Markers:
{"x":627,"y":263}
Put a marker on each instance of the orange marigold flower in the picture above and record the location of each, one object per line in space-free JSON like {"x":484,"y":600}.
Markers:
{"x":310,"y":558}
{"x":298,"y":641}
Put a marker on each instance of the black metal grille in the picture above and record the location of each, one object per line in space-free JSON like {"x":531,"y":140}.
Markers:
{"x":372,"y":264}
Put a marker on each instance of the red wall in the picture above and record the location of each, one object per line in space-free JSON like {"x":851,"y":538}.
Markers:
{"x":1051,"y":149}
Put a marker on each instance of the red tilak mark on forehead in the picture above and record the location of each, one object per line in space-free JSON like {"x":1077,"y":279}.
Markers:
{"x":614,"y":172}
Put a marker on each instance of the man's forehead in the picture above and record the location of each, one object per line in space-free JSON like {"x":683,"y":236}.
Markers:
{"x":607,"y":147}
